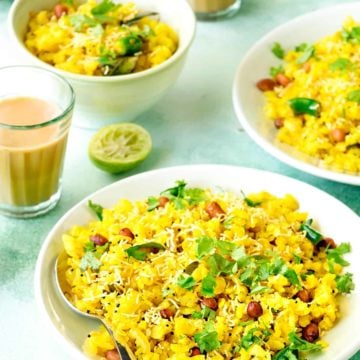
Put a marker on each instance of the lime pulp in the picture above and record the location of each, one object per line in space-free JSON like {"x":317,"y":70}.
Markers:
{"x":119,"y":147}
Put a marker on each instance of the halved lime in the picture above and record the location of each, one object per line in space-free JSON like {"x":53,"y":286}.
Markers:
{"x":119,"y":147}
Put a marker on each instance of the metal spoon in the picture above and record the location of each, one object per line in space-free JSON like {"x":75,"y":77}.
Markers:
{"x":139,"y":17}
{"x":123,"y":351}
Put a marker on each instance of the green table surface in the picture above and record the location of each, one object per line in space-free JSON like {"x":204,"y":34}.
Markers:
{"x":194,"y":123}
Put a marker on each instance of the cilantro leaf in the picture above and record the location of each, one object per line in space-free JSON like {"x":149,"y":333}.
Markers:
{"x":140,"y":252}
{"x":340,"y":64}
{"x":276,"y":70}
{"x":186,"y":282}
{"x":207,"y":340}
{"x":250,"y":339}
{"x":180,"y":194}
{"x":335,"y":255}
{"x":103,"y":8}
{"x":205,"y":246}
{"x":354,"y":96}
{"x":344,"y":283}
{"x":205,"y":313}
{"x":250,"y":202}
{"x":352,"y":36}
{"x":286,"y":354}
{"x":278,"y":51}
{"x":79,"y":21}
{"x":297,"y":343}
{"x":301,"y":47}
{"x":308,"y":52}
{"x":153,"y":203}
{"x":258,"y":289}
{"x":297,"y":259}
{"x":98,"y":209}
{"x":89,"y":260}
{"x":225,"y":247}
{"x":208,"y":285}
{"x":219,"y":265}
{"x":89,"y":246}
{"x":314,"y":236}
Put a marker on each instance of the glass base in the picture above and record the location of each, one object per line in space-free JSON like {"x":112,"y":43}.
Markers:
{"x":228,"y":12}
{"x":25,"y":212}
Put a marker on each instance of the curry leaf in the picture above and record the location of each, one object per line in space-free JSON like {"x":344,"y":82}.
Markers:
{"x":186,"y":282}
{"x":97,"y":209}
{"x":140,"y":252}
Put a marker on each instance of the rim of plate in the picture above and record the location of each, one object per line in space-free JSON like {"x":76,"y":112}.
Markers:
{"x":271,"y":177}
{"x":261,"y":141}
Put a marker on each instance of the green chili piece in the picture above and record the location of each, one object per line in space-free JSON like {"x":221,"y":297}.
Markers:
{"x":130,"y":45}
{"x":314,"y":236}
{"x":302,"y":106}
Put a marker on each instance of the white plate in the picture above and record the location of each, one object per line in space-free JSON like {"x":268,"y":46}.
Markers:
{"x":249,"y":101}
{"x":333,"y":217}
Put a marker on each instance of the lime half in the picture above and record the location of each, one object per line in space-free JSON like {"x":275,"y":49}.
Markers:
{"x":119,"y":147}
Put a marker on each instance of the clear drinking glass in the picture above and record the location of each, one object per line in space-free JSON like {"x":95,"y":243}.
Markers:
{"x":36,"y":107}
{"x":214,"y":9}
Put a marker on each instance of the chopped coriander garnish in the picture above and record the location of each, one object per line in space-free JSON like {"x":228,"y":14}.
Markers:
{"x":301,"y":47}
{"x":250,"y":202}
{"x":90,"y":260}
{"x":89,"y":246}
{"x":205,"y":246}
{"x":80,"y":20}
{"x":218,"y":265}
{"x":140,"y":252}
{"x":104,"y":7}
{"x":250,"y":338}
{"x":335,"y":255}
{"x":208,"y":285}
{"x":314,"y":236}
{"x":297,"y":259}
{"x":307,"y":53}
{"x":205,"y":313}
{"x":207,"y":339}
{"x":340,"y":64}
{"x":344,"y":283}
{"x":354,"y":96}
{"x":352,"y":36}
{"x":276,"y":70}
{"x":96,"y":208}
{"x":153,"y":203}
{"x":278,"y":51}
{"x":186,"y":282}
{"x":291,"y":275}
{"x":290,"y":352}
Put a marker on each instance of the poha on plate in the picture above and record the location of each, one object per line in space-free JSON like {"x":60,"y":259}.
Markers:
{"x":202,"y":274}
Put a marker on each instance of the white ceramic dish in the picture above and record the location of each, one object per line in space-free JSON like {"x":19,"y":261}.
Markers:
{"x":101,"y":100}
{"x":332,"y":216}
{"x":249,"y":101}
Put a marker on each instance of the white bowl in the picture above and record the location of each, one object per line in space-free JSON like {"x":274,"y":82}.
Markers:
{"x":103,"y":100}
{"x":332,"y":216}
{"x":249,"y":101}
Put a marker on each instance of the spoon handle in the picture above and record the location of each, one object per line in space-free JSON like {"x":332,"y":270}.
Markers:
{"x":120,"y":348}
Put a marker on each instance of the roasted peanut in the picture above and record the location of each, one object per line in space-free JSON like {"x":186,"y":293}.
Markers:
{"x":265,"y":84}
{"x":211,"y":303}
{"x":214,"y":209}
{"x":98,"y":239}
{"x":254,"y":309}
{"x":311,"y":332}
{"x":127,"y":232}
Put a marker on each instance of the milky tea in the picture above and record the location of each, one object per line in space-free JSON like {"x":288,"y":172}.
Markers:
{"x":31,"y":158}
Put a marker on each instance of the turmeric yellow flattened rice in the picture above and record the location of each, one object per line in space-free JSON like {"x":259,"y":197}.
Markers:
{"x":313,"y":98}
{"x":202,"y":274}
{"x":99,"y":38}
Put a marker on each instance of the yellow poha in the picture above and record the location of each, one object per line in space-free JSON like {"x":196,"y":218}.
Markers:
{"x":200,"y":274}
{"x":99,"y":38}
{"x":327,"y":73}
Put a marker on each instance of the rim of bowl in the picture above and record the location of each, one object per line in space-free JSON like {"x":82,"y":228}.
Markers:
{"x":263,"y":142}
{"x":53,"y":120}
{"x":106,"y":79}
